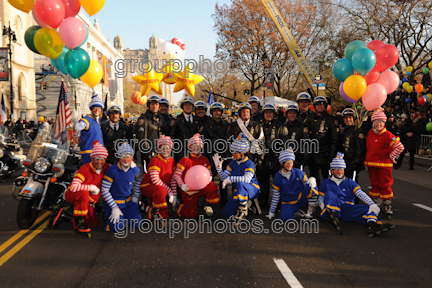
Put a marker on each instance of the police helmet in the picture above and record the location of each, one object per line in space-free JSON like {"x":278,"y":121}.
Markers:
{"x":164,"y":101}
{"x":115,"y":109}
{"x":216,"y":106}
{"x":200,"y":104}
{"x":244,"y":105}
{"x":292,"y":107}
{"x":348,"y":111}
{"x":253,"y":99}
{"x":153,"y":99}
{"x":320,"y":100}
{"x":187,"y":100}
{"x":304,"y":96}
{"x":269,"y":107}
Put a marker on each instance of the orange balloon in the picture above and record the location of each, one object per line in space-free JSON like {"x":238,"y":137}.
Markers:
{"x":143,"y":100}
{"x":135,"y":97}
{"x":419,"y":88}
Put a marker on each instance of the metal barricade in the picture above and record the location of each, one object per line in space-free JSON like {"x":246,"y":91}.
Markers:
{"x":425,"y":148}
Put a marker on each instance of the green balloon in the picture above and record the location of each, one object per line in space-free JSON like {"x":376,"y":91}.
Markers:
{"x":77,"y":62}
{"x":429,"y":126}
{"x":29,"y":37}
{"x":425,"y":70}
{"x":353,"y":47}
{"x":359,"y":107}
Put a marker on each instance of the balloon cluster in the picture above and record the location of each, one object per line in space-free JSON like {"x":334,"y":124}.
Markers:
{"x":171,"y":73}
{"x":138,"y":99}
{"x":62,"y":46}
{"x":364,"y":74}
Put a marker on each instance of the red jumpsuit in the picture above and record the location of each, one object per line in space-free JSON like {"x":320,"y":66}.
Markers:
{"x":156,"y":182}
{"x":189,"y":206}
{"x":78,"y":192}
{"x":379,"y":149}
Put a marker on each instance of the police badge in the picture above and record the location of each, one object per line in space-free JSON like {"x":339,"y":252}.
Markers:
{"x":140,"y":122}
{"x":172,"y":123}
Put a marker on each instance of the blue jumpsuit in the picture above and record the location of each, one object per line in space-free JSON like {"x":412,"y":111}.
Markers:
{"x":245,"y":184}
{"x":118,"y":189}
{"x":293,"y":192}
{"x":91,"y":133}
{"x":341,"y":200}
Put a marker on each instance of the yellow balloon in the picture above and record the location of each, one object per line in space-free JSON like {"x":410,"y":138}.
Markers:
{"x":41,"y":118}
{"x":405,"y":85}
{"x":429,"y":95}
{"x":430,"y":65}
{"x":93,"y":75}
{"x":186,"y":80}
{"x":48,"y":42}
{"x":149,"y":81}
{"x":409,"y":89}
{"x":169,"y":70}
{"x":409,"y":69}
{"x":355,"y":86}
{"x":23,"y":5}
{"x":92,"y":6}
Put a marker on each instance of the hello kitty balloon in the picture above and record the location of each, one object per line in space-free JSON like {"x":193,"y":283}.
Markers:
{"x":169,"y":51}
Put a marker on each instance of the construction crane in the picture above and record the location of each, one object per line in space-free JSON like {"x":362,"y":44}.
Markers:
{"x":302,"y":62}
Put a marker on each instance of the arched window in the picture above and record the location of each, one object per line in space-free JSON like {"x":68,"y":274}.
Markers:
{"x":21,"y":87}
{"x":19,"y":28}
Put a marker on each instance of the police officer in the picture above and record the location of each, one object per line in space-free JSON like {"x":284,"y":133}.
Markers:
{"x":114,"y":130}
{"x":305,"y":114}
{"x":352,"y":142}
{"x":185,"y":126}
{"x":270,"y":164}
{"x":200,"y":113}
{"x":215,"y":130}
{"x":322,"y":128}
{"x":293,"y":133}
{"x":256,"y":113}
{"x":168,"y":119}
{"x":149,"y":127}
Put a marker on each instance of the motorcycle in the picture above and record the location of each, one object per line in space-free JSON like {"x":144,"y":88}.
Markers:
{"x":11,"y":154}
{"x":45,"y":178}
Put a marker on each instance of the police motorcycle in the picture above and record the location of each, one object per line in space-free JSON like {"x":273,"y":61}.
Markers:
{"x":11,"y":154}
{"x":45,"y":178}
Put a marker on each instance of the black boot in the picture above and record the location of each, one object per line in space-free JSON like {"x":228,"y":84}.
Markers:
{"x":334,"y":220}
{"x":80,"y":226}
{"x":373,"y":229}
{"x":386,"y":227}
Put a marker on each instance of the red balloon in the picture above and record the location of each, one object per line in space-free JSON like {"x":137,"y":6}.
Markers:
{"x":72,"y":7}
{"x":51,"y":12}
{"x":375,"y":45}
{"x":387,"y":56}
{"x":422,"y":101}
{"x":372,"y":76}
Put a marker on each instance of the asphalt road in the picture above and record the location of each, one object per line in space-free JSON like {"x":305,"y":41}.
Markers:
{"x":60,"y":258}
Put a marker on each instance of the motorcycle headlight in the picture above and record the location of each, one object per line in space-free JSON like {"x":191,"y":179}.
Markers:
{"x":41,"y":165}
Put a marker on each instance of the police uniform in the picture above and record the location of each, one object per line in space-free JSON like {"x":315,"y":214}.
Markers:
{"x":352,"y":142}
{"x":258,"y":117}
{"x":295,"y":131}
{"x":183,"y":130}
{"x":202,"y":121}
{"x":306,"y":117}
{"x":168,"y":123}
{"x":149,"y":126}
{"x":110,"y":136}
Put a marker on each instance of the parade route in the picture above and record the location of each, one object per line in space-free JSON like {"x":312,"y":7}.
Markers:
{"x":399,"y":258}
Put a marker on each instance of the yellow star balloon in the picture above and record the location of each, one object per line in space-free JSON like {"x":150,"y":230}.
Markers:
{"x":186,"y":80}
{"x":149,"y":81}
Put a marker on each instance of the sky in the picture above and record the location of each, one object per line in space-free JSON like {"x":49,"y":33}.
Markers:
{"x":136,"y":21}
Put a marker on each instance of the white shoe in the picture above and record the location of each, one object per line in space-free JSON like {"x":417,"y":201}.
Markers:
{"x":208,"y":210}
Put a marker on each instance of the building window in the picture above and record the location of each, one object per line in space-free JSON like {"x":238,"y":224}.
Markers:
{"x":18,"y":26}
{"x":21,"y":87}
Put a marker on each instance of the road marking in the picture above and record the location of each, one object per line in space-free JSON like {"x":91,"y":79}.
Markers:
{"x":22,"y":232}
{"x":23,"y":242}
{"x":286,"y":272}
{"x":423,"y":207}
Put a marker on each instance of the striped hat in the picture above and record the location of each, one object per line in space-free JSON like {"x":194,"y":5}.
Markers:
{"x":286,"y":155}
{"x":379,"y":115}
{"x":124,"y":149}
{"x":98,"y":150}
{"x":240,"y":144}
{"x":338,"y":162}
{"x":195,"y":144}
{"x":96,"y":102}
{"x":164,"y":140}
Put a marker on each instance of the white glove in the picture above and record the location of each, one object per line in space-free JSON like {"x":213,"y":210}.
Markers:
{"x":94,"y":190}
{"x":135,"y":199}
{"x":226,"y":182}
{"x":115,"y":215}
{"x":217,"y":160}
{"x":173,"y":200}
{"x":133,"y":164}
{"x":311,"y":182}
{"x":270,"y":215}
{"x":375,"y":209}
{"x":321,"y":202}
{"x":184,"y":187}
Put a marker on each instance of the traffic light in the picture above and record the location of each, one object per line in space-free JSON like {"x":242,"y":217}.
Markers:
{"x":235,"y":94}
{"x":44,"y":86}
{"x":246,"y":92}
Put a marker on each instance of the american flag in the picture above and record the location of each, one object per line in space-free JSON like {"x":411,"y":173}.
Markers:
{"x":63,"y":113}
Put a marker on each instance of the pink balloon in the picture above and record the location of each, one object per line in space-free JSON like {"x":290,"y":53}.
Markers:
{"x":375,"y":45}
{"x":344,"y":96}
{"x":197,"y":177}
{"x":387,"y":56}
{"x":374,"y":97}
{"x":72,"y":7}
{"x":372,"y":76}
{"x":37,"y":19}
{"x":72,"y":32}
{"x":51,"y":12}
{"x":390,"y":81}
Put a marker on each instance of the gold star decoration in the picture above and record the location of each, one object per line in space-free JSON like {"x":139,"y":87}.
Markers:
{"x":149,"y":81}
{"x":186,"y":80}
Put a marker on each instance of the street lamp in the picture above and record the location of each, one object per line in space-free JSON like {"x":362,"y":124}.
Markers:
{"x":12,"y":38}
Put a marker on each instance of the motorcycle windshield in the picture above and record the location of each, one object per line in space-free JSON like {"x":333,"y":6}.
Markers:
{"x":47,"y":144}
{"x":4,"y":133}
